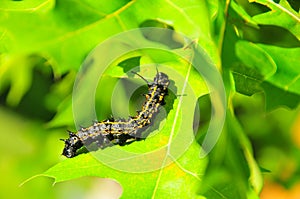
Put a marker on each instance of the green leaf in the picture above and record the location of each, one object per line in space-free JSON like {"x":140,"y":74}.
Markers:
{"x":281,"y":14}
{"x":287,"y":74}
{"x":27,"y":6}
{"x":256,"y":58}
{"x":255,"y":176}
{"x":273,"y":69}
{"x":233,"y":164}
{"x":16,"y":71}
{"x":179,"y":179}
{"x":64,"y":114}
{"x":243,"y":14}
{"x":58,"y":33}
{"x":276,"y":97}
{"x":246,"y":80}
{"x":54,"y":30}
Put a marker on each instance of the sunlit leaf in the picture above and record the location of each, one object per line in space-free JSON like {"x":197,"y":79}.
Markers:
{"x":281,"y":14}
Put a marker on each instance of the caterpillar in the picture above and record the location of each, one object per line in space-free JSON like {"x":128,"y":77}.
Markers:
{"x":122,"y":131}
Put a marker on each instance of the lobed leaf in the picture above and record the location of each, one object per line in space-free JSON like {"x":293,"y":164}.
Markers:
{"x":281,"y":14}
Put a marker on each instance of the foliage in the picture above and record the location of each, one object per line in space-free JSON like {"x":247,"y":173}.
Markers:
{"x":254,"y":44}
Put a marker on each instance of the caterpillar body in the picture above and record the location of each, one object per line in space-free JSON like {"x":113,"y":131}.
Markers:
{"x":122,"y":131}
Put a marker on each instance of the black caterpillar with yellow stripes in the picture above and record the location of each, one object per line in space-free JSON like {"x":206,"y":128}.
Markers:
{"x":120,"y":132}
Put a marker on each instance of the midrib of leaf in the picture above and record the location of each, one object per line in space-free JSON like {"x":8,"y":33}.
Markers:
{"x":181,"y":11}
{"x":102,"y":14}
{"x":246,"y":76}
{"x":171,"y":137}
{"x":183,"y":169}
{"x":272,"y":5}
{"x":92,"y":25}
{"x":218,"y":192}
{"x":292,"y":82}
{"x":34,"y":9}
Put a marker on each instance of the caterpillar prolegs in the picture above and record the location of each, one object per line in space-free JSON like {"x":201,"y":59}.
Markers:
{"x":122,"y":131}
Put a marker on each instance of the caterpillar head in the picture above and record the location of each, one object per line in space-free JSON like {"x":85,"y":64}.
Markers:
{"x":162,"y":80}
{"x":72,"y":144}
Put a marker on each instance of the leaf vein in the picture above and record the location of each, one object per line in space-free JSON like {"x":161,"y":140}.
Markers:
{"x":173,"y":129}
